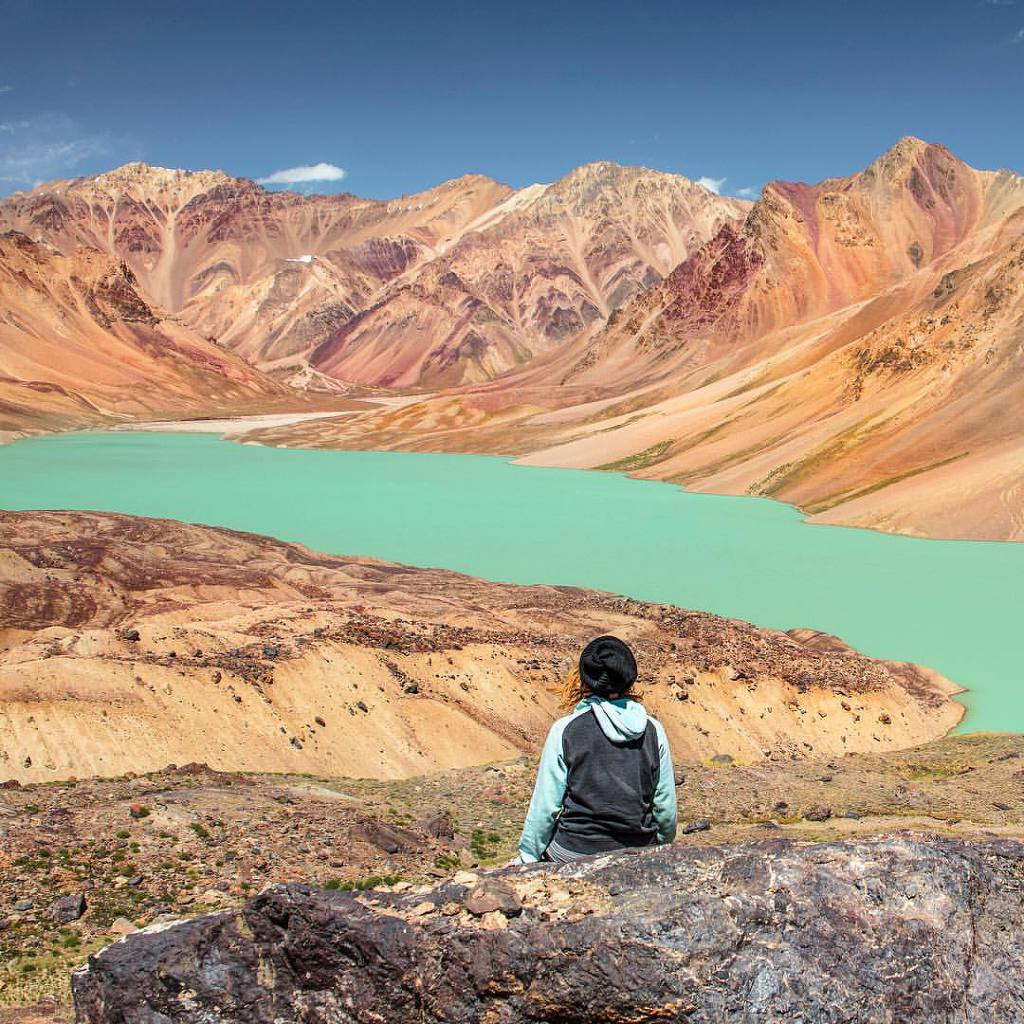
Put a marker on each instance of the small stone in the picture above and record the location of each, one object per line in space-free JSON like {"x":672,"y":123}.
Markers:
{"x":422,"y":909}
{"x":451,"y":909}
{"x":700,"y":825}
{"x":492,"y":895}
{"x":818,"y":813}
{"x":23,"y":905}
{"x":319,"y":721}
{"x":68,"y":908}
{"x":679,"y":778}
{"x":885,"y":718}
{"x":362,"y":707}
{"x":271,"y":651}
{"x":130,"y":634}
{"x":465,"y":878}
{"x":439,"y":824}
{"x":494,"y":921}
{"x":722,"y":759}
{"x":122,"y":926}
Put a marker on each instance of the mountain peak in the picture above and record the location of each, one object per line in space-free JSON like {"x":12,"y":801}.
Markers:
{"x":909,"y":152}
{"x":138,"y":173}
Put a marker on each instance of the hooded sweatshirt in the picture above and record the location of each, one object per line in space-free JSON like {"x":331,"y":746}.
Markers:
{"x":605,"y":781}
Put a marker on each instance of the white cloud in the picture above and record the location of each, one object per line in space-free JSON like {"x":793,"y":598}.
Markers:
{"x":748,"y":192}
{"x":299,"y":175}
{"x":1018,"y":36}
{"x":6,"y":88}
{"x":712,"y":184}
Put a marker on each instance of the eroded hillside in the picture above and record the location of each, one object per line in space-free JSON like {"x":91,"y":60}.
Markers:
{"x":127,"y":644}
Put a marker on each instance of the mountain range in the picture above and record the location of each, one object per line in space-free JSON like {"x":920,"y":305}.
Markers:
{"x":854,"y":346}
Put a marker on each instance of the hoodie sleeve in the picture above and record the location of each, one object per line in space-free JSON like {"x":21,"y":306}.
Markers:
{"x":665,"y":811}
{"x":548,"y":794}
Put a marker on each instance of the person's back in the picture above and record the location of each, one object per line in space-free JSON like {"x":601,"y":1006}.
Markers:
{"x":605,"y":779}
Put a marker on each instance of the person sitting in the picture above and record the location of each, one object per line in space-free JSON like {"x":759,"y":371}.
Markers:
{"x":605,"y":779}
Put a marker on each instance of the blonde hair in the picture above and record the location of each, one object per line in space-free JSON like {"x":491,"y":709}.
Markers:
{"x":573,"y":690}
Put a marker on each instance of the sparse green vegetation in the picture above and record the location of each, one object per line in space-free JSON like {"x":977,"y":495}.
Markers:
{"x":362,"y":884}
{"x":640,"y":460}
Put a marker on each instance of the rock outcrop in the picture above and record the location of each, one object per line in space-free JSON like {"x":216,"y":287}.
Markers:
{"x":884,"y":931}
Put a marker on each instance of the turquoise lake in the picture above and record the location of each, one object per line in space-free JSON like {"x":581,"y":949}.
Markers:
{"x":953,"y":605}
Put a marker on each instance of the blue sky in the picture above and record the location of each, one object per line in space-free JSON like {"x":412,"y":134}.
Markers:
{"x":401,"y":96}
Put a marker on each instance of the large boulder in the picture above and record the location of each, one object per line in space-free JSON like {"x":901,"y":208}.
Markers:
{"x":892,"y":930}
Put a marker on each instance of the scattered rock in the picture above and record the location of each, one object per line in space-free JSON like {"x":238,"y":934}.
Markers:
{"x":722,"y":759}
{"x":122,"y":926}
{"x":700,"y":825}
{"x":68,"y":908}
{"x":490,"y":896}
{"x":819,"y":812}
{"x":440,"y":825}
{"x":23,"y":905}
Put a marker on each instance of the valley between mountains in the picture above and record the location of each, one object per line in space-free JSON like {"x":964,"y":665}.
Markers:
{"x":853,"y":346}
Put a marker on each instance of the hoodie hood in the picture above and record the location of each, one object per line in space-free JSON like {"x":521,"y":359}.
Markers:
{"x":620,"y":720}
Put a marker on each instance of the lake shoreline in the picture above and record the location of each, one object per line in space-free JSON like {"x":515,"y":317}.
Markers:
{"x":673,"y":500}
{"x":235,"y":428}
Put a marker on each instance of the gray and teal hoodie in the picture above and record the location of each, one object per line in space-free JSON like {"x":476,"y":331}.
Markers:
{"x":605,"y":781}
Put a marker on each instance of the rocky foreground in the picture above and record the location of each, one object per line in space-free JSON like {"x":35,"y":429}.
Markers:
{"x":892,"y":930}
{"x":83,"y":863}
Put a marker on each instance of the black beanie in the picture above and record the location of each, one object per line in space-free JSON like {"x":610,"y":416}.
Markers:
{"x":607,"y":666}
